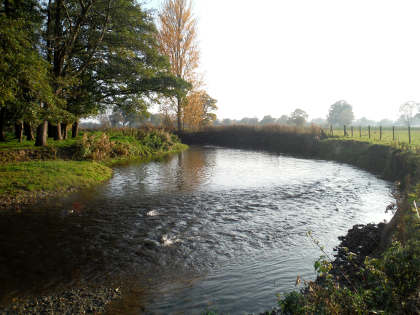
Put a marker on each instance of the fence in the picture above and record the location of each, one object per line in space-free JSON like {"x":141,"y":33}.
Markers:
{"x":398,"y":134}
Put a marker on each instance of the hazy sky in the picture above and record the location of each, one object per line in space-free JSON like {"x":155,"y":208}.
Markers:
{"x":272,"y":56}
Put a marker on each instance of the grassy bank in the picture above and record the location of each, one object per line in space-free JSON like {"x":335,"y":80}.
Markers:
{"x":274,"y":138}
{"x":387,"y":280}
{"x":21,"y":182}
{"x":28,"y":173}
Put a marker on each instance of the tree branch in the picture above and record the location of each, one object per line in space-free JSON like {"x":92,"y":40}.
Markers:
{"x":87,"y":62}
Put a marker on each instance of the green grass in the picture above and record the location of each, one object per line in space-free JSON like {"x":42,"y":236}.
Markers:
{"x":400,"y":135}
{"x":14,"y":144}
{"x":50,"y":176}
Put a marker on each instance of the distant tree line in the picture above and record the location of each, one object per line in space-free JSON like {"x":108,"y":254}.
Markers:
{"x":339,"y":114}
{"x":297,"y":118}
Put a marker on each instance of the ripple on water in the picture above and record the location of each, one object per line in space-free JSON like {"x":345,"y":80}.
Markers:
{"x":210,"y":225}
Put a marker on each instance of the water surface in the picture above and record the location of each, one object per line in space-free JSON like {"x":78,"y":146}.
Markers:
{"x":209,"y":228}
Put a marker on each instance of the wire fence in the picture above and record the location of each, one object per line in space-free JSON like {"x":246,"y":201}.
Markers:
{"x":396,"y":134}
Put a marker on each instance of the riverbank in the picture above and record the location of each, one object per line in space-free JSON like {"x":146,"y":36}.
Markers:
{"x":23,"y":183}
{"x":29,"y":174}
{"x":390,"y":277}
{"x":74,"y":301}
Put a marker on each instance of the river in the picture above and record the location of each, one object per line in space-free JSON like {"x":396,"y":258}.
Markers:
{"x":207,"y":229}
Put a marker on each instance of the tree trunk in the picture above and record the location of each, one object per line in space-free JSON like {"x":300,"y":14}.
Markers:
{"x":19,"y":130}
{"x":41,"y":134}
{"x":28,"y":131}
{"x":57,"y":134}
{"x":179,"y":113}
{"x":51,"y":130}
{"x":2,"y":123}
{"x":75,"y":129}
{"x":64,"y":130}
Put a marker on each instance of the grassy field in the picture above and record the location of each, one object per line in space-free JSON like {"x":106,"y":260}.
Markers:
{"x":400,"y":135}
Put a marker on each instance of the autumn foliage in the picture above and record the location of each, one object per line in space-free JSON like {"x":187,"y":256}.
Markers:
{"x":177,"y":39}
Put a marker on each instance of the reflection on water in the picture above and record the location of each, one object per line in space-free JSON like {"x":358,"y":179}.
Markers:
{"x":207,"y":228}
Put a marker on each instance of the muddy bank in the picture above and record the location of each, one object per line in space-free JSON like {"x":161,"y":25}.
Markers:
{"x":74,"y":301}
{"x":361,"y":241}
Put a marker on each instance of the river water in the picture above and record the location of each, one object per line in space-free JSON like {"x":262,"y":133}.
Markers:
{"x":207,"y":229}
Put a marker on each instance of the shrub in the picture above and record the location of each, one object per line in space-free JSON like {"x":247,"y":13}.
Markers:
{"x":392,"y":286}
{"x":157,"y":139}
{"x":93,"y":147}
{"x":395,"y":278}
{"x":123,"y":143}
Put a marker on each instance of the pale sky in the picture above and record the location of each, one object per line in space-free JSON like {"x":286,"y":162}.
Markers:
{"x":273,"y":56}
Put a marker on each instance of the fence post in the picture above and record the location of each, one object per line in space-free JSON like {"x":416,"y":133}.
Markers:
{"x":345,"y":131}
{"x":393,"y":133}
{"x":409,"y":134}
{"x":380,"y":132}
{"x":331,"y":131}
{"x":360,"y":131}
{"x":369,"y":131}
{"x":352,"y":131}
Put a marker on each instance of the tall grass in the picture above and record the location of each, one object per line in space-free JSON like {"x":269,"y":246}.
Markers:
{"x":278,"y":138}
{"x":270,"y":129}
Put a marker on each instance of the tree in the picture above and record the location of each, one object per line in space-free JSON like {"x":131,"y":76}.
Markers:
{"x":364,"y":122}
{"x":249,"y":121}
{"x":198,"y":111}
{"x":177,"y":40}
{"x":193,"y":111}
{"x":228,"y":122}
{"x":130,"y":68}
{"x":73,"y":32}
{"x":386,"y":123}
{"x":298,"y":117}
{"x":408,"y":111}
{"x":340,"y":113}
{"x":94,"y":55}
{"x":23,"y":73}
{"x":209,"y":105}
{"x":267,"y":119}
{"x":105,"y":54}
{"x":283,"y":120}
{"x":319,"y":121}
